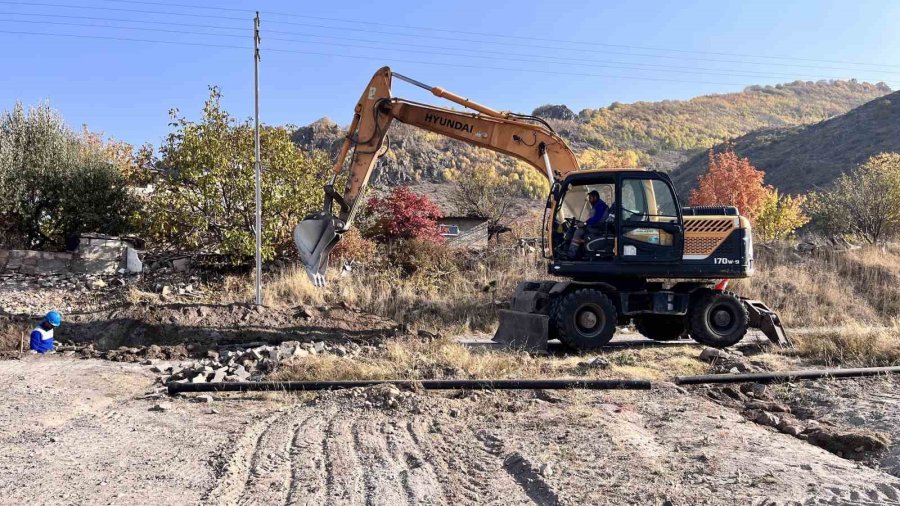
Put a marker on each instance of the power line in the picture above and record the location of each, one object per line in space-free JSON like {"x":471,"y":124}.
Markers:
{"x":127,"y":39}
{"x":369,"y":58}
{"x":508,"y":36}
{"x":123,"y":20}
{"x":556,"y":48}
{"x":574,"y":61}
{"x":136,"y":11}
{"x":455,"y":39}
{"x":63,"y":23}
{"x":587,"y":63}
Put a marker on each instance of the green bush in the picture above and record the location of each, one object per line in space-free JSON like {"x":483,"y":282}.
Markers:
{"x":863,"y":203}
{"x":204,"y":199}
{"x":55,"y":183}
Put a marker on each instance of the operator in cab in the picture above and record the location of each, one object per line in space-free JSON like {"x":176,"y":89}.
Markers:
{"x":599,"y":213}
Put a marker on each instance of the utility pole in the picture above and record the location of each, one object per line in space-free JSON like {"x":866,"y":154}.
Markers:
{"x":257,"y":167}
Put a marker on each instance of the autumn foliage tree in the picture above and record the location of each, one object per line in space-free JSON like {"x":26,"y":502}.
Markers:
{"x":731,"y":181}
{"x":779,"y":216}
{"x":402,"y":215}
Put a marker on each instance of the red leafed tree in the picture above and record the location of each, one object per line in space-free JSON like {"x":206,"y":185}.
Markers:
{"x":731,"y":181}
{"x":403,"y":214}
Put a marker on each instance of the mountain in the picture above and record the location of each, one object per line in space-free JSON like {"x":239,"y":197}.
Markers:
{"x":801,"y":158}
{"x":660,"y":135}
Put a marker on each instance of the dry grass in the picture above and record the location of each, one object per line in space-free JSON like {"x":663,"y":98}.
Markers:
{"x":455,"y":301}
{"x":852,"y":345}
{"x":827,"y":288}
{"x":416,"y":359}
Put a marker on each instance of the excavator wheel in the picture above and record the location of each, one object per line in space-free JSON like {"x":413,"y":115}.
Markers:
{"x":660,"y":327}
{"x":718,"y":319}
{"x":585,"y":319}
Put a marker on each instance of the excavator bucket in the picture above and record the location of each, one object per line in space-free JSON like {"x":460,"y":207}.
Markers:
{"x":766,"y":320}
{"x":315,"y":237}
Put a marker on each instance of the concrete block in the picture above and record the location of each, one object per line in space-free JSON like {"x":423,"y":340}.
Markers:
{"x":133,"y":263}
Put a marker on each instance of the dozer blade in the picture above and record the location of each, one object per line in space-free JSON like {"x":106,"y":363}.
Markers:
{"x":523,"y":331}
{"x":315,"y":237}
{"x":766,"y":320}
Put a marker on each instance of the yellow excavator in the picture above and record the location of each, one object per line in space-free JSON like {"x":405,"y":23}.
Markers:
{"x":648,"y":261}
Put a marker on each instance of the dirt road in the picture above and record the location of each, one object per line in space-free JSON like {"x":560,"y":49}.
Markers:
{"x":79,"y":432}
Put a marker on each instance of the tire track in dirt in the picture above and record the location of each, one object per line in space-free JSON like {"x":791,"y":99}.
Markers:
{"x":232,"y":485}
{"x":418,"y":475}
{"x":308,"y":483}
{"x":342,"y":464}
{"x":521,"y":470}
{"x":384,"y":481}
{"x":468,"y":472}
{"x":269,"y":479}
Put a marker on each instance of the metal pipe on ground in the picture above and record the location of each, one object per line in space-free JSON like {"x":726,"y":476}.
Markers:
{"x":771,"y":377}
{"x":307,"y":386}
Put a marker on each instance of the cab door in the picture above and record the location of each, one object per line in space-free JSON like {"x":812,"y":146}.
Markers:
{"x":648,"y":218}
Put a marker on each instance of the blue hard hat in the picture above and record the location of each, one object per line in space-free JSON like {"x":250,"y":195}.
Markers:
{"x":54,"y":318}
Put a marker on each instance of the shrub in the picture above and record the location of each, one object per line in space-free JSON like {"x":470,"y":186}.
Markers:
{"x":779,"y":217}
{"x":402,"y":215}
{"x":56,"y":184}
{"x":204,"y":199}
{"x":425,"y":258}
{"x":354,"y":248}
{"x":864,"y":202}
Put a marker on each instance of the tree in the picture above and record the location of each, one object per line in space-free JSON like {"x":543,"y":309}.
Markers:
{"x":484,"y":195}
{"x":779,"y":217}
{"x":56,"y":184}
{"x":864,"y":202}
{"x":731,"y":181}
{"x":402,"y":214}
{"x":592,"y":158}
{"x":204,"y":197}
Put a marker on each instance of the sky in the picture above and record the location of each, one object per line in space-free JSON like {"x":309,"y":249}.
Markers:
{"x":91,"y":59}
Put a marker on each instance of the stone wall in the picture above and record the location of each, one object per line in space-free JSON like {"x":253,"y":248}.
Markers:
{"x":35,"y":262}
{"x":96,"y":254}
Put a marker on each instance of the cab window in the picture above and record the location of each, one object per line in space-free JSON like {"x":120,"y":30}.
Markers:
{"x":647,"y":200}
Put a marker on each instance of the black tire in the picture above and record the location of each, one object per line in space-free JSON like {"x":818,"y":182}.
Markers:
{"x":718,"y":319}
{"x":660,"y":327}
{"x":585,"y":319}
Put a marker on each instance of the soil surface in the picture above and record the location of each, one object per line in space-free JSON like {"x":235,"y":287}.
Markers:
{"x":84,"y":432}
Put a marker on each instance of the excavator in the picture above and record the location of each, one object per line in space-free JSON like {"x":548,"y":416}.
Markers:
{"x":650,"y":262}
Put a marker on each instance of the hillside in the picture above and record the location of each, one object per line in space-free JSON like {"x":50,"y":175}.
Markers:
{"x":654,"y":134}
{"x":798,"y":159}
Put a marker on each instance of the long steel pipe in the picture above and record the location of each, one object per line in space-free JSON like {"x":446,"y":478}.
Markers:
{"x":618,"y":384}
{"x":770,"y":377}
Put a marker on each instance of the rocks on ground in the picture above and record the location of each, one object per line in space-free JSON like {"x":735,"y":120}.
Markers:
{"x":756,"y":404}
{"x":248,"y":363}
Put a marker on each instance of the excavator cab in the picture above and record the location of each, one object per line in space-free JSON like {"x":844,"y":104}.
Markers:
{"x":643,"y":224}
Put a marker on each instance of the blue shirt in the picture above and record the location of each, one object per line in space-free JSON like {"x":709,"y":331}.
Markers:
{"x":599,"y":215}
{"x":41,"y":340}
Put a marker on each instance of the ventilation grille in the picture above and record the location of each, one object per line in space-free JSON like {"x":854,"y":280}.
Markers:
{"x":708,"y":226}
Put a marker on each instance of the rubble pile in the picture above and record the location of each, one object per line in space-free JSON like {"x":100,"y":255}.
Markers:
{"x":241,"y":363}
{"x":730,"y":362}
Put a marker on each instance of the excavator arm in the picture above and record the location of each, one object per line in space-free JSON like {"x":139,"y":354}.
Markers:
{"x":527,"y":138}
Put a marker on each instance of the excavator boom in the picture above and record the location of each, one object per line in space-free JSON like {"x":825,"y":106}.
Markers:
{"x":524,"y":137}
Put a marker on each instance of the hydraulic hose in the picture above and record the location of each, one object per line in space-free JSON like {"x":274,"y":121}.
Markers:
{"x":289,"y":386}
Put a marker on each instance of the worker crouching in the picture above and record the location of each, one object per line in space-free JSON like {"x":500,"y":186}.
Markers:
{"x":42,"y":335}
